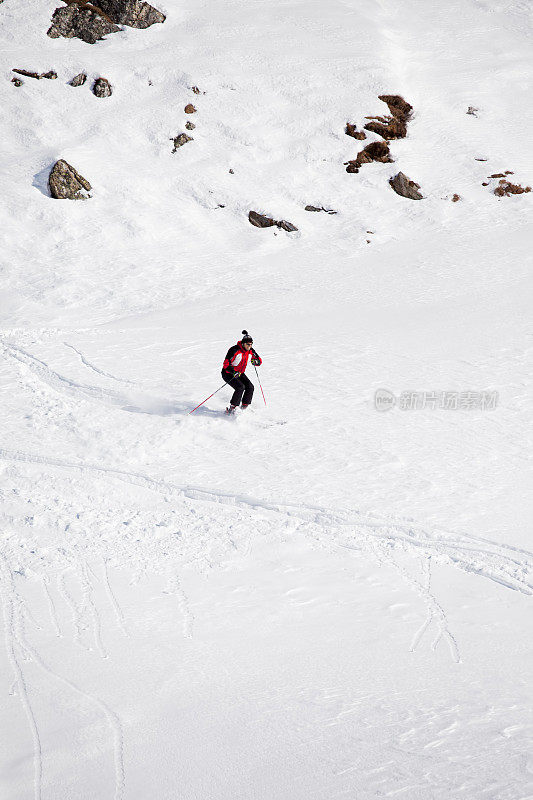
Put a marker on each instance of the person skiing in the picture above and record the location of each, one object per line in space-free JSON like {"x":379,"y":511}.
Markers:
{"x":233,"y":372}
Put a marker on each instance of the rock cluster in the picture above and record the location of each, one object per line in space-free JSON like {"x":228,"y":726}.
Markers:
{"x":262,"y":221}
{"x":65,"y":183}
{"x":505,"y":188}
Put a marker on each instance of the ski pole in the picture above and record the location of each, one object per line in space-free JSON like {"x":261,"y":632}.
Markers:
{"x":208,"y":398}
{"x":262,"y":392}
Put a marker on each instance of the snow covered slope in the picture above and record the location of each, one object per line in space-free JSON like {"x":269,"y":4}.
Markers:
{"x":316,"y":599}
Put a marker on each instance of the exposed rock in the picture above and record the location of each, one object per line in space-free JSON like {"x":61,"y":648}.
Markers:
{"x":455,"y":198}
{"x":27,"y":73}
{"x":51,"y":75}
{"x":196,"y":90}
{"x":472,"y":111}
{"x":505,"y":189}
{"x":394,"y":126}
{"x":287,"y":226}
{"x":321,"y":208}
{"x":78,"y":80}
{"x":481,"y":159}
{"x":189,"y":109}
{"x":180,"y":140}
{"x":375,"y":151}
{"x":231,"y":172}
{"x":501,"y":174}
{"x":190,"y":125}
{"x":82,"y":22}
{"x":133,"y":13}
{"x":102,"y":88}
{"x":17,"y":81}
{"x":66,"y":183}
{"x":262,"y":221}
{"x":351,"y":130}
{"x":405,"y":187}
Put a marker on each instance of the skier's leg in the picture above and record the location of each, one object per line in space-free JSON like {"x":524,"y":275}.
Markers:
{"x":238,"y":385}
{"x":248,"y":390}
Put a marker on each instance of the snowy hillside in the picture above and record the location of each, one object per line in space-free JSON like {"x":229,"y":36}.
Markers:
{"x":318,"y":598}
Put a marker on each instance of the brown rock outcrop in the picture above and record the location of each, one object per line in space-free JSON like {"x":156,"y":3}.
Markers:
{"x":395,"y":125}
{"x":375,"y":151}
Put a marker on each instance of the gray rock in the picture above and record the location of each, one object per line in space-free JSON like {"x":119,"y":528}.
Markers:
{"x":102,"y":88}
{"x":180,"y":140}
{"x":78,"y":80}
{"x":65,"y":183}
{"x":17,"y":81}
{"x":405,"y":187}
{"x":262,"y":221}
{"x":190,"y":125}
{"x":80,"y":22}
{"x":287,"y":226}
{"x":321,"y":208}
{"x":51,"y":75}
{"x":133,"y":13}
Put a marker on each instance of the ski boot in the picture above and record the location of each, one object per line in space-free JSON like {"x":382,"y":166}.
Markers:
{"x":230,"y":409}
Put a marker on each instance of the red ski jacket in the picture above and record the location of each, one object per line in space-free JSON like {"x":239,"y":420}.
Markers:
{"x":237,"y":358}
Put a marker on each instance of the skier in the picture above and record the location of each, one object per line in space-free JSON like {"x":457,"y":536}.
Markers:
{"x":233,"y":372}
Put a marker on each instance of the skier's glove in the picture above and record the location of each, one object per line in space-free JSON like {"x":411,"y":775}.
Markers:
{"x":256,"y":362}
{"x":236,"y":374}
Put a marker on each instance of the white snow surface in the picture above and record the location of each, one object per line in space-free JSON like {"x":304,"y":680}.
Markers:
{"x":314,"y":600}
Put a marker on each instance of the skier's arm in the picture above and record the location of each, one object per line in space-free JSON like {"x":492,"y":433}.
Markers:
{"x":229,"y":355}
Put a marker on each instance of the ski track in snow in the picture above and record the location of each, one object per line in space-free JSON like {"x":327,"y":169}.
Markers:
{"x":508,"y":566}
{"x":15,"y":612}
{"x":97,"y":369}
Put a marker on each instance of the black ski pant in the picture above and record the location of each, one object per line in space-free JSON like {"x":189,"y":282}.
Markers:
{"x":244,"y":388}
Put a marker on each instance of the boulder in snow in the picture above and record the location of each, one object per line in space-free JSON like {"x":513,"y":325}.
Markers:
{"x":84,"y":22}
{"x":190,"y":125}
{"x":66,"y":183}
{"x":405,"y":187}
{"x":189,"y":109}
{"x":262,"y":221}
{"x":102,"y":88}
{"x":78,"y":80}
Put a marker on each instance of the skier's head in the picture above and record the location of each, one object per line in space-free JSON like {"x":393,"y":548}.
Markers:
{"x":246,"y":340}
